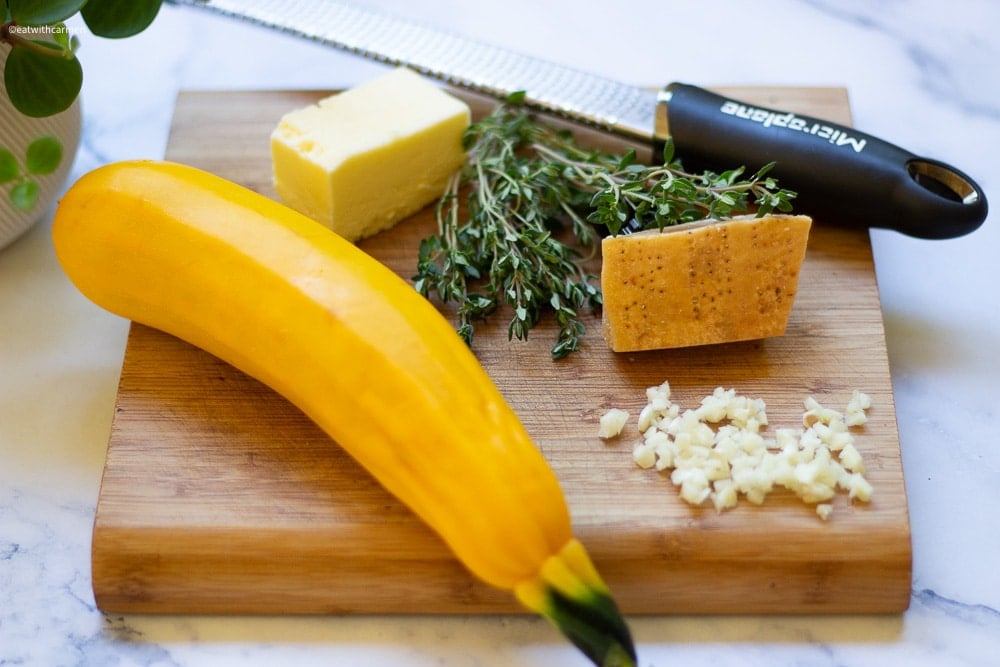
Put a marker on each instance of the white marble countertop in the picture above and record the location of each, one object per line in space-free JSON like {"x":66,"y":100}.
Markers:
{"x":920,"y":73}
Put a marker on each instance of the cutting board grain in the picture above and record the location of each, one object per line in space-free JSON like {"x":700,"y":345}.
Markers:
{"x":220,"y":497}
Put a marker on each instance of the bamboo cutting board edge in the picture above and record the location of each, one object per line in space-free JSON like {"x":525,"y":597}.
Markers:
{"x":165,"y":539}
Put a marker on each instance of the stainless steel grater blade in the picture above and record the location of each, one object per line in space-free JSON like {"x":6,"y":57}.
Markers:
{"x":459,"y":61}
{"x":839,"y":173}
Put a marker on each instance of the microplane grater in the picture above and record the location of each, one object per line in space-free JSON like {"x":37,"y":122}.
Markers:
{"x":840,"y":174}
{"x":456,"y":60}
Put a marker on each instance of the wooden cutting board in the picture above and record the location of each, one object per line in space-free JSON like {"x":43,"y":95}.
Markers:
{"x":220,"y":497}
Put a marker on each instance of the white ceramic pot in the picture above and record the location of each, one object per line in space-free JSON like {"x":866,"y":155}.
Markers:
{"x":35,"y":158}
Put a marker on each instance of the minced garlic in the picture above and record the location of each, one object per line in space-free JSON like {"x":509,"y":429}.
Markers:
{"x":612,"y":423}
{"x":716,"y":452}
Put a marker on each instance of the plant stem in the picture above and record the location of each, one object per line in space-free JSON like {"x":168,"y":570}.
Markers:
{"x":9,"y":34}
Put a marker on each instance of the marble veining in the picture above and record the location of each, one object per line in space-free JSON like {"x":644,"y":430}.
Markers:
{"x":920,"y":73}
{"x":970,"y":86}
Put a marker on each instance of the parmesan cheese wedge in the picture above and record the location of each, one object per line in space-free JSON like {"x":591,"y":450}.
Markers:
{"x":363,"y":160}
{"x":702,"y":283}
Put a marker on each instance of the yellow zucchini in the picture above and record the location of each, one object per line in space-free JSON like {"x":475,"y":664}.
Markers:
{"x":358,"y":350}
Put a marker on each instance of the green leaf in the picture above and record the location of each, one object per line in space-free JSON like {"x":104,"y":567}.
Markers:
{"x":39,"y":85}
{"x":465,"y":332}
{"x":36,"y":13}
{"x":119,"y":18}
{"x":763,"y":171}
{"x":668,"y":150}
{"x":61,"y":36}
{"x":517,"y":97}
{"x":8,"y":166}
{"x":24,"y":195}
{"x":627,"y":159}
{"x":44,"y":155}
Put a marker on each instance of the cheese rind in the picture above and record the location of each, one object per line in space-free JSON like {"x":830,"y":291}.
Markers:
{"x":362,"y":160}
{"x":702,"y":283}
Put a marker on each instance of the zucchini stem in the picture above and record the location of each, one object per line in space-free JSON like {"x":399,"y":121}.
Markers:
{"x":572,"y":596}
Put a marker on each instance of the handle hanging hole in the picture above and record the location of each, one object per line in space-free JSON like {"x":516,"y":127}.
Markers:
{"x":943,"y":181}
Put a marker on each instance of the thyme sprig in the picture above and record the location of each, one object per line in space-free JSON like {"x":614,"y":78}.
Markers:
{"x":535,"y":201}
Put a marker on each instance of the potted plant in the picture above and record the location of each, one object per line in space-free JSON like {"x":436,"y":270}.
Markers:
{"x":39,"y":111}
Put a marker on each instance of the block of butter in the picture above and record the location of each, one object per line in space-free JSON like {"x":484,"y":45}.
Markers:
{"x":701,"y":283}
{"x":362,"y":160}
